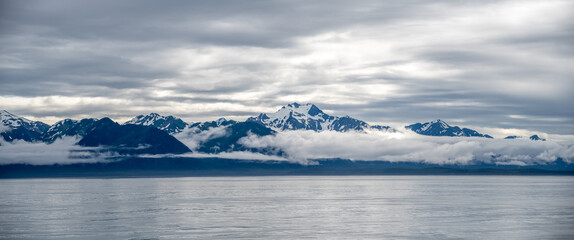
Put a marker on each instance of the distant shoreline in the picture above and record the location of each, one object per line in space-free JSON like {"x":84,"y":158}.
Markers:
{"x":205,"y":167}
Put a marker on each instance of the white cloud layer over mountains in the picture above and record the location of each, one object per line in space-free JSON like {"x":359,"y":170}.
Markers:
{"x":410,"y":147}
{"x":304,"y":146}
{"x":62,"y":151}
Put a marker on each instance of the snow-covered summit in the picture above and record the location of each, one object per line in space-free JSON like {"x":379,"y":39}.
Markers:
{"x":69,"y":127}
{"x":12,"y":121}
{"x":295,"y":116}
{"x":169,"y":124}
{"x":436,"y":123}
{"x":145,"y":120}
{"x":441,"y":128}
{"x":14,"y":127}
{"x":220,"y":121}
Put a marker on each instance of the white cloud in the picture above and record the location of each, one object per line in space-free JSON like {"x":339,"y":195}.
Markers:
{"x":193,"y":137}
{"x":4,"y":128}
{"x":304,"y":146}
{"x":399,"y":147}
{"x":505,"y":132}
{"x":62,"y":151}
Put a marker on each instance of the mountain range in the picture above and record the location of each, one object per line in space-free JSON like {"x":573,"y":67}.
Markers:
{"x":170,"y":124}
{"x":69,"y":127}
{"x":296,"y":116}
{"x":131,"y":139}
{"x":441,"y":128}
{"x":157,"y":134}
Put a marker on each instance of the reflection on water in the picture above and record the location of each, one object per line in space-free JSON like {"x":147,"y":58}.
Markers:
{"x":334,"y":207}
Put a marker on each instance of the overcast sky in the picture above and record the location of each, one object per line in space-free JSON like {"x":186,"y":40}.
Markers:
{"x":492,"y":65}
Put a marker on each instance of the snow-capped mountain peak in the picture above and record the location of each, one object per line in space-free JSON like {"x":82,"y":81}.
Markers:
{"x":61,"y":123}
{"x":10,"y":120}
{"x":145,"y":120}
{"x":220,"y":121}
{"x":295,"y":116}
{"x":299,"y":111}
{"x":442,"y":123}
{"x":169,"y":124}
{"x":438,"y":124}
{"x":441,"y":128}
{"x":69,"y":127}
{"x":302,"y":109}
{"x":14,"y":127}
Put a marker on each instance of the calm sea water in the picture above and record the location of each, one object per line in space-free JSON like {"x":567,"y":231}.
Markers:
{"x":315,"y":207}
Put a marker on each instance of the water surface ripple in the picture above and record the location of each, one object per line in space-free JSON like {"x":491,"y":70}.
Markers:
{"x":290,"y":207}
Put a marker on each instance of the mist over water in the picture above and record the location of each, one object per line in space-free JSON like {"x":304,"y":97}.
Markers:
{"x":335,"y":207}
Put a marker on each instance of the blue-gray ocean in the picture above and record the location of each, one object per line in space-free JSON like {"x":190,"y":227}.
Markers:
{"x":289,"y":207}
